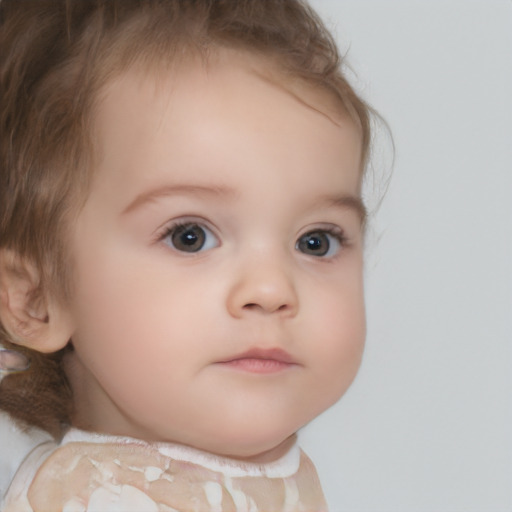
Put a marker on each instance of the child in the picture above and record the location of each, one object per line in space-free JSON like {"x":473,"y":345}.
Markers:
{"x":181,"y":232}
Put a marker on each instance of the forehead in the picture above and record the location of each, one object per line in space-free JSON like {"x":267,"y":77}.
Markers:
{"x":198,"y":102}
{"x":226,"y":69}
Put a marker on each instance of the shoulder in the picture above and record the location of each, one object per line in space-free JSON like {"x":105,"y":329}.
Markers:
{"x":15,"y":445}
{"x":16,"y":497}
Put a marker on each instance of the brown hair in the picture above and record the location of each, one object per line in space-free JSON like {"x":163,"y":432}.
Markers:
{"x":55,"y":55}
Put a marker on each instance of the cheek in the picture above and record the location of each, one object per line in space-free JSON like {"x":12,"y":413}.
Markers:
{"x":143,"y":311}
{"x":339,"y":317}
{"x":340,"y":311}
{"x":344,"y":337}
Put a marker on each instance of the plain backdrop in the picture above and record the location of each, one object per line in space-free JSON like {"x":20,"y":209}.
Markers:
{"x":427,"y":425}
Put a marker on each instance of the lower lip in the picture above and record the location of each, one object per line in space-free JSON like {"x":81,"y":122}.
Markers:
{"x":254,"y":365}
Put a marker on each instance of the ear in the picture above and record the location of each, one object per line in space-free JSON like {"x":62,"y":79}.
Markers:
{"x":29,"y":316}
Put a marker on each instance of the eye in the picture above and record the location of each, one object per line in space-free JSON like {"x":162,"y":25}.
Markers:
{"x":190,"y":237}
{"x":321,"y":243}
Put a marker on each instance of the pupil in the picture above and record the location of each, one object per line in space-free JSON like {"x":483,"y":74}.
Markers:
{"x":316,"y":244}
{"x":188,"y":238}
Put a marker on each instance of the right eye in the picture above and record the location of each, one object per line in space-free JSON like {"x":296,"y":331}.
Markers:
{"x":190,"y":237}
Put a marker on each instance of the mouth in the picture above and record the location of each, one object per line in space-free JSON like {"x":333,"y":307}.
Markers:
{"x":260,"y":361}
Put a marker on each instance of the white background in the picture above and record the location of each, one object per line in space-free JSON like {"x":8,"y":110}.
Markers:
{"x":427,"y":426}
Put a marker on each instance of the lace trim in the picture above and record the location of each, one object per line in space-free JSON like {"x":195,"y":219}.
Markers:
{"x":283,"y":467}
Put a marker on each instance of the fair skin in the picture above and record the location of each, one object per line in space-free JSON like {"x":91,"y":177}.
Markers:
{"x":234,"y":332}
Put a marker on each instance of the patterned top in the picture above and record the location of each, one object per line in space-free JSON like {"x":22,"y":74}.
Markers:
{"x":97,"y":473}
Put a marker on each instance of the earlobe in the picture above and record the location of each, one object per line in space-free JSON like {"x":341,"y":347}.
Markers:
{"x":31,"y":318}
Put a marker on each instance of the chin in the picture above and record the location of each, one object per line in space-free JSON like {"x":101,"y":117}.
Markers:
{"x":262,"y":446}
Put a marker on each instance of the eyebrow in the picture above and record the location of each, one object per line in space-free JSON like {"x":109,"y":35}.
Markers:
{"x":350,"y":202}
{"x":171,"y":190}
{"x":343,"y":201}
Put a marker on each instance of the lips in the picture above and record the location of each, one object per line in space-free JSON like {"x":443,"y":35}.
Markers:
{"x":259,"y":360}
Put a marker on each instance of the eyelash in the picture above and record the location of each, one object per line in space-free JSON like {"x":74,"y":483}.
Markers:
{"x":184,"y":225}
{"x":333,"y":232}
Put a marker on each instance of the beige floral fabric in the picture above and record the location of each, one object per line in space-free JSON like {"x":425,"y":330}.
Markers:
{"x":88,"y":473}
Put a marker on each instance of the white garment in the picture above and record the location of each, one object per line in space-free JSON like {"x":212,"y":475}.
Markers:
{"x":15,"y":445}
{"x":98,"y":473}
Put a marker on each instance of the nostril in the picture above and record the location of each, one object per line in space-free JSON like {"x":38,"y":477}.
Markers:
{"x":251,"y":306}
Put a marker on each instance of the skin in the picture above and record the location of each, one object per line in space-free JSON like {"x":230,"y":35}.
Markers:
{"x":254,"y":167}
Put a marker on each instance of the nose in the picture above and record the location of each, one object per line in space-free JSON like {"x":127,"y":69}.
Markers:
{"x":263,"y":287}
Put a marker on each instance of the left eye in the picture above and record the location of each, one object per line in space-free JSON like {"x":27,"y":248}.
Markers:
{"x":319,"y":243}
{"x":190,"y":237}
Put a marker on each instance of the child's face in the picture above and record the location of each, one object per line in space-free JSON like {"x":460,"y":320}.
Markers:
{"x":218,"y":261}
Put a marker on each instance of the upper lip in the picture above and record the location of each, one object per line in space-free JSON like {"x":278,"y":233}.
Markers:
{"x":273,"y":354}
